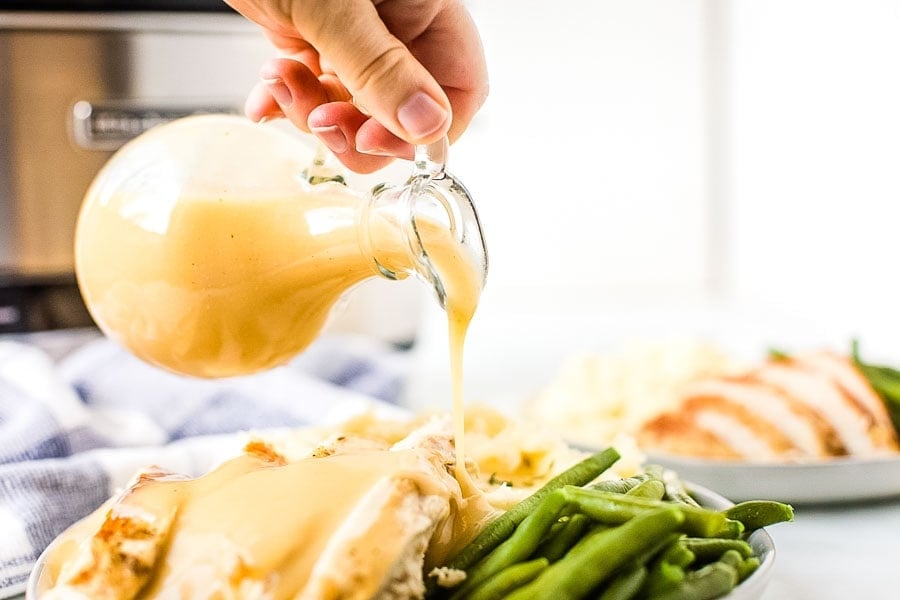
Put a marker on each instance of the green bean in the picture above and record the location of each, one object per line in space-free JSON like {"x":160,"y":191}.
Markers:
{"x":557,"y":546}
{"x":886,"y":385}
{"x":652,"y":488}
{"x":747,"y":567}
{"x":641,"y":561}
{"x":854,"y":350}
{"x":596,"y":557}
{"x":778,"y":355}
{"x":886,"y":382}
{"x":881,"y":377}
{"x":619,"y":486}
{"x":509,"y":579}
{"x":615,"y":509}
{"x":733,"y":558}
{"x":667,"y":569}
{"x":503,"y":526}
{"x":519,"y":546}
{"x":676,"y":491}
{"x":887,"y":374}
{"x":756,"y":514}
{"x":652,"y":552}
{"x":661,"y":576}
{"x":557,"y":527}
{"x":679,"y":554}
{"x":710,"y":549}
{"x":712,"y":581}
{"x":732,"y":530}
{"x":626,"y":585}
{"x":656,"y":472}
{"x":744,"y":566}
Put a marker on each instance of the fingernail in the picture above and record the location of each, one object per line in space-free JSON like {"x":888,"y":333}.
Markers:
{"x":421,"y":115}
{"x":280,"y":92}
{"x":375,"y":151}
{"x":333,"y":137}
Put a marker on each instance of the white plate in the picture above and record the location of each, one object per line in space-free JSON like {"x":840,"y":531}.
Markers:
{"x":750,"y":589}
{"x":833,"y":481}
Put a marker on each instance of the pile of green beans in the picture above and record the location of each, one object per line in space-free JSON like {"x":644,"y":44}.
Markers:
{"x":643,"y":537}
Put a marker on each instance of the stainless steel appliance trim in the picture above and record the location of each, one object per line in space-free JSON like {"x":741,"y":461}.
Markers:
{"x":108,"y":124}
{"x":134,"y":70}
{"x":132,"y":21}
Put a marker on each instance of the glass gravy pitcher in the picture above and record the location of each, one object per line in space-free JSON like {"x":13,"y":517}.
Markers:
{"x":213,"y":246}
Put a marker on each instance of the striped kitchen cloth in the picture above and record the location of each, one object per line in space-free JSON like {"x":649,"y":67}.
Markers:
{"x":73,"y":432}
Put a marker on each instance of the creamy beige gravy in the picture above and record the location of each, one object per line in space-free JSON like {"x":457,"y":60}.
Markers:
{"x":462,"y":285}
{"x":229,"y":287}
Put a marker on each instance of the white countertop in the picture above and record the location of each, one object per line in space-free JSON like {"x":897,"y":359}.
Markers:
{"x":838,"y":552}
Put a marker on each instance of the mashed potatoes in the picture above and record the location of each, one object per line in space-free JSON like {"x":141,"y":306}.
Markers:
{"x":510,"y":457}
{"x":595,"y":397}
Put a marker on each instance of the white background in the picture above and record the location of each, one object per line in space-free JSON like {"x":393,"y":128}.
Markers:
{"x":656,"y":168}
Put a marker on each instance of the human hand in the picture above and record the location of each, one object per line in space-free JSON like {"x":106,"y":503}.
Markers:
{"x":370,"y":78}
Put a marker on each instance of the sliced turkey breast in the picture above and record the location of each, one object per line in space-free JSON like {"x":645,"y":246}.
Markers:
{"x":841,"y":371}
{"x":112,"y":554}
{"x":821,"y":394}
{"x":679,"y":433}
{"x":737,"y":432}
{"x":354,"y":521}
{"x":816,"y":405}
{"x":775,"y":411}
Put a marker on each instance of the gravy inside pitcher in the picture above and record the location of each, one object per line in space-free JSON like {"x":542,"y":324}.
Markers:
{"x":202,"y":250}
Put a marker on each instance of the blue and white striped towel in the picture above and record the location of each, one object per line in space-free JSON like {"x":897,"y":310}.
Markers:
{"x":73,"y":433}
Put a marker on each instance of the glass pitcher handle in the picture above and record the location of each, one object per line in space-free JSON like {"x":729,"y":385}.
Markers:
{"x":430,"y":179}
{"x":431,"y":159}
{"x":433,"y":193}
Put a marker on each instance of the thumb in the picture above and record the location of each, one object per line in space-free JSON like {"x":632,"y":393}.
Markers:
{"x":383,"y":76}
